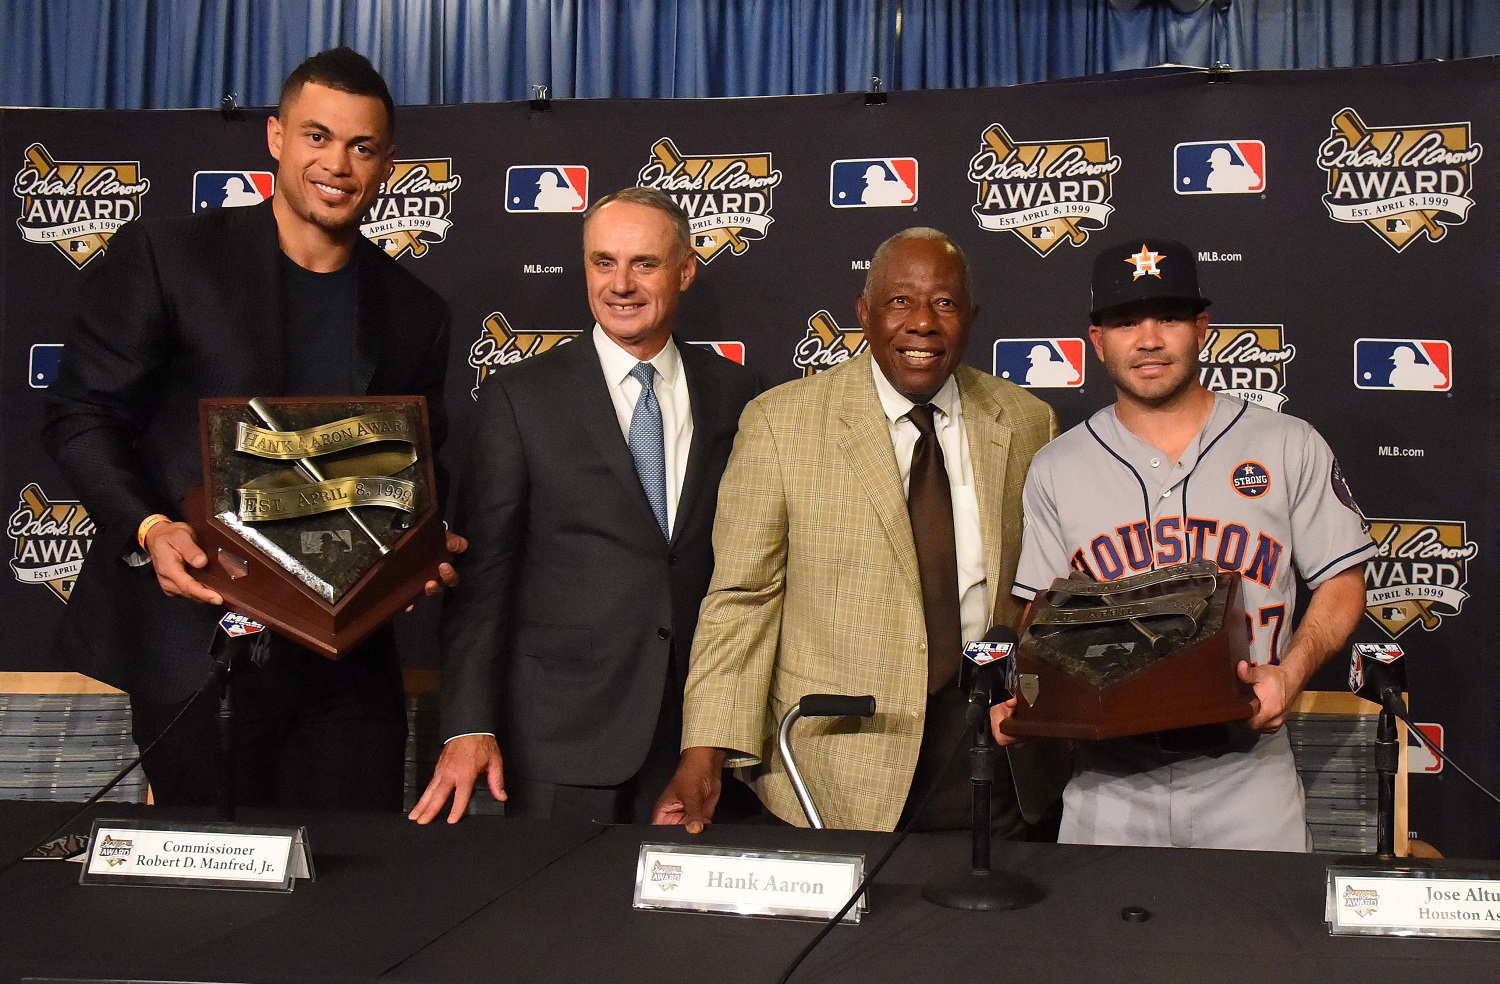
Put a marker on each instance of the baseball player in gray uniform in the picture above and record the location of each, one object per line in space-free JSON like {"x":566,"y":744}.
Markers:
{"x":1173,"y":472}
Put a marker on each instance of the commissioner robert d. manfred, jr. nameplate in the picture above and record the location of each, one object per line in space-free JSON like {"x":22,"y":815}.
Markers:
{"x":186,"y":855}
{"x":736,"y":881}
{"x":319,"y":514}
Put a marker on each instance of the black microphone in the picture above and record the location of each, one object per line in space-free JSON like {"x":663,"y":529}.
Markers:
{"x":989,"y":662}
{"x":1377,"y":672}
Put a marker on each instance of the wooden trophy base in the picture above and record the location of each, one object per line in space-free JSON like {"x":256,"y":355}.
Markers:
{"x":253,"y":585}
{"x":1195,"y":685}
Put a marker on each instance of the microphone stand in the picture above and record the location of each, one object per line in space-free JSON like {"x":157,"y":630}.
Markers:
{"x":223,"y":674}
{"x":1387,"y":762}
{"x":982,"y":887}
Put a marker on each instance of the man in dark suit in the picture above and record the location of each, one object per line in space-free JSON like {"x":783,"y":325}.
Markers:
{"x":588,"y":496}
{"x":282,"y":298}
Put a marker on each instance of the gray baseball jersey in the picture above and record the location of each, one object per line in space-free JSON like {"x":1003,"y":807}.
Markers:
{"x":1257,"y":492}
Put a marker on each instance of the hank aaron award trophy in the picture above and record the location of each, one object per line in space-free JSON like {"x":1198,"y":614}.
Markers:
{"x":1153,"y":652}
{"x":319,"y":515}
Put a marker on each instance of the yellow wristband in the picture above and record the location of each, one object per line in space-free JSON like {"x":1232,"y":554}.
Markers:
{"x":145,"y":527}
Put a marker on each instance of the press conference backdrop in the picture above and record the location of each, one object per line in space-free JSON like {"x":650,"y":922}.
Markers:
{"x":1343,"y":219}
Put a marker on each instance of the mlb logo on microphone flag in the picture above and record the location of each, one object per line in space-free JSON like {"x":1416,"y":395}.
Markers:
{"x":874,"y":182}
{"x":546,"y":188}
{"x":1219,"y":167}
{"x":1421,"y":365}
{"x":231,"y":189}
{"x":733,"y":351}
{"x":1040,"y":363}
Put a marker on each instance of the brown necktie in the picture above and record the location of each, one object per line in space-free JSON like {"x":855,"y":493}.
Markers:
{"x":929,"y":503}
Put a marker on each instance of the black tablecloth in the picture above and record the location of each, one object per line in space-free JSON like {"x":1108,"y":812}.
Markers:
{"x":500,"y":900}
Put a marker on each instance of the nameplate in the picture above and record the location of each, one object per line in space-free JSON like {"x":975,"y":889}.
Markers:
{"x":799,"y":885}
{"x":201,"y":855}
{"x":1413,"y":902}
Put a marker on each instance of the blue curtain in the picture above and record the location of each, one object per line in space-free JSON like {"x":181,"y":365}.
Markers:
{"x":129,"y":54}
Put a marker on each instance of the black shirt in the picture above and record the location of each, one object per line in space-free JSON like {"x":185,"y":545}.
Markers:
{"x":322,"y":312}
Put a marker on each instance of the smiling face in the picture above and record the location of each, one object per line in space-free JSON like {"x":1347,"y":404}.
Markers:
{"x":916,"y":314}
{"x":333,"y":150}
{"x":636,"y":270}
{"x":1150,"y":349}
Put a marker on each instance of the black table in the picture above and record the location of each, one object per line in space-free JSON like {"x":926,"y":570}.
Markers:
{"x":495,"y":900}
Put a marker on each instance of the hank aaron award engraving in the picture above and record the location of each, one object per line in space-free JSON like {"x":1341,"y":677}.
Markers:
{"x":319,"y":515}
{"x":1154,"y":652}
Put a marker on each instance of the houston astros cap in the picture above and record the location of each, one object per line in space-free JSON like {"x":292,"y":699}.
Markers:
{"x":1144,"y":270}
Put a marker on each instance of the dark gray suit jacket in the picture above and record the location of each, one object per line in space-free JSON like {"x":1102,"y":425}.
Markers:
{"x":178,"y":309}
{"x":570,"y":602}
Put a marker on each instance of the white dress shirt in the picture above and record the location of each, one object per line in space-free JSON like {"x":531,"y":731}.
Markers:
{"x":948,"y":421}
{"x":671,"y":392}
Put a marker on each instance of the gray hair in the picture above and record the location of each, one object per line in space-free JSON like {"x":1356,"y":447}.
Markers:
{"x":883,"y":252}
{"x":651,"y":198}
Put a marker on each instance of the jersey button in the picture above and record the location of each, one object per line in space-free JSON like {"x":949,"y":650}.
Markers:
{"x":1166,"y":494}
{"x":1155,"y":462}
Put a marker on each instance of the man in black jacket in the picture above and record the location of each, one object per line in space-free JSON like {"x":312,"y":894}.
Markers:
{"x":280,"y":299}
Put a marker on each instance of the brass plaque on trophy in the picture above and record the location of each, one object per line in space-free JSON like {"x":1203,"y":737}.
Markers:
{"x":319,"y":515}
{"x":1154,"y":652}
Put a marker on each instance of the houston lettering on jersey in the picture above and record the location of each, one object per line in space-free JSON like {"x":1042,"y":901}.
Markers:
{"x":1140,"y":546}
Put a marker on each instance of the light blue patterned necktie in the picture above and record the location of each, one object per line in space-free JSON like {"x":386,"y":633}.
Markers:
{"x":647,"y":446}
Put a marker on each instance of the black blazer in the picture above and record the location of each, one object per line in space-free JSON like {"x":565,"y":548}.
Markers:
{"x":570,"y":602}
{"x":178,"y":309}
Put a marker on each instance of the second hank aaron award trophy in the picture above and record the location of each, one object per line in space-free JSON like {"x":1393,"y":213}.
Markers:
{"x":1154,"y":652}
{"x":319,"y":515}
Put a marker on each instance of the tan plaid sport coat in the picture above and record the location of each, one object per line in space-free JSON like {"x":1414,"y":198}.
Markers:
{"x":815,"y":590}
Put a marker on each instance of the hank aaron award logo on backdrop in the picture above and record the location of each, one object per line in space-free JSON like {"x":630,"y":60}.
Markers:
{"x":1401,"y":181}
{"x":499,"y":345}
{"x":51,"y":537}
{"x":727,"y":197}
{"x":826,"y":344}
{"x":1419,"y":574}
{"x":414,"y":207}
{"x":1247,"y":361}
{"x":76,"y":206}
{"x":1044,"y":191}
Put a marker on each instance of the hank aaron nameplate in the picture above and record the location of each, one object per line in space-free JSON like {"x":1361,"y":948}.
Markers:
{"x":319,"y":514}
{"x":1153,"y":652}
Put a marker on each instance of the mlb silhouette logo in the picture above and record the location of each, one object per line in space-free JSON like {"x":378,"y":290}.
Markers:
{"x":1040,"y":363}
{"x":43,"y":368}
{"x":1421,"y":760}
{"x":733,"y":351}
{"x":546,"y":188}
{"x":1219,"y":167}
{"x":231,"y":189}
{"x":875,"y":182}
{"x":1420,"y":365}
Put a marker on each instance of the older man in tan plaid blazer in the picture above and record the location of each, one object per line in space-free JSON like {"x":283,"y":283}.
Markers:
{"x":816,"y":584}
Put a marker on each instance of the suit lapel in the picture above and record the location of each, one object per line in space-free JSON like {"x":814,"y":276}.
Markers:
{"x":989,"y":452}
{"x":368,"y":324}
{"x":587,"y":397}
{"x":866,"y":445}
{"x":258,"y":306}
{"x":708,"y":415}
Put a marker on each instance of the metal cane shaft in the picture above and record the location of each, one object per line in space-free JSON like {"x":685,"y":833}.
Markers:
{"x":795,"y":774}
